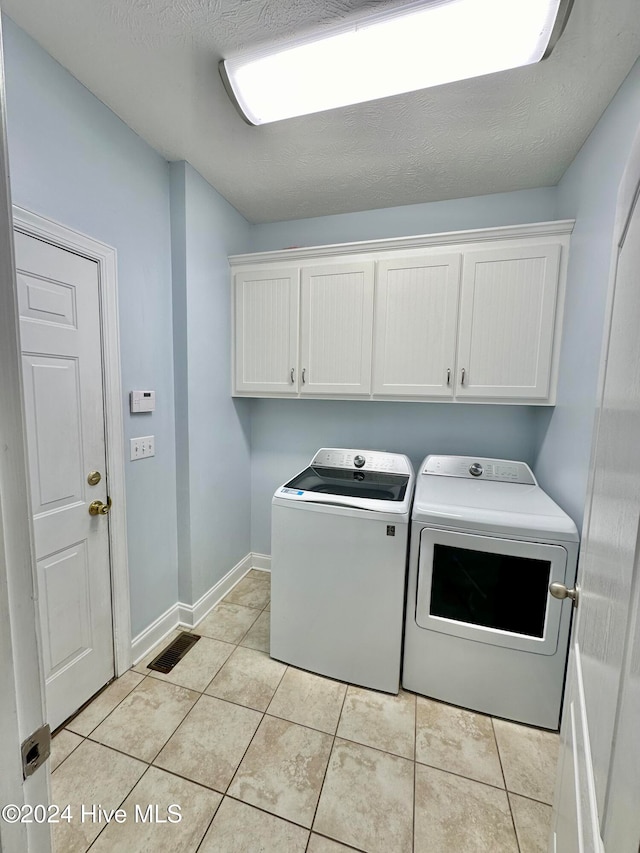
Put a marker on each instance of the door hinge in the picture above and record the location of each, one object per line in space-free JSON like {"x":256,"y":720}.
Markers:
{"x":35,"y":750}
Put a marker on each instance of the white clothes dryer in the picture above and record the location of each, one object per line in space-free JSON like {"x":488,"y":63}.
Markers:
{"x":340,"y":534}
{"x":481,"y":629}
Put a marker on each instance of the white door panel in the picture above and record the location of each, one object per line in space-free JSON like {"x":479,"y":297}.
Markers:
{"x":336,"y":329}
{"x":52,"y":400}
{"x":266,"y":331}
{"x":58,"y":299}
{"x":415,"y":326}
{"x":621,"y":831}
{"x":506,"y":333}
{"x":605,"y":661}
{"x":576,"y":827}
{"x":64,"y":620}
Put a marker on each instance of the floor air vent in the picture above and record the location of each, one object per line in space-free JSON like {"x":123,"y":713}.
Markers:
{"x":174,"y":652}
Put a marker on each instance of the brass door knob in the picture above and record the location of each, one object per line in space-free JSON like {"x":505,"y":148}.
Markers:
{"x":98,"y":508}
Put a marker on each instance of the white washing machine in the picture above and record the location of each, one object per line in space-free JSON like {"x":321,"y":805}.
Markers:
{"x":482,"y":630}
{"x":340,"y":532}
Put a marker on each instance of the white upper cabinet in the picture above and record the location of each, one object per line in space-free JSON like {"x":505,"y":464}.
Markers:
{"x":507,"y":319}
{"x":266,"y":331}
{"x":415,"y":326}
{"x":336,"y":328}
{"x":468,"y":316}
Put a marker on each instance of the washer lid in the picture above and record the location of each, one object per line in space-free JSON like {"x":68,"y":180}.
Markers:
{"x":491,"y":506}
{"x":357,"y":479}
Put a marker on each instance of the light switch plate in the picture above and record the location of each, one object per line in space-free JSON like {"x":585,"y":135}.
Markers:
{"x":143,"y":447}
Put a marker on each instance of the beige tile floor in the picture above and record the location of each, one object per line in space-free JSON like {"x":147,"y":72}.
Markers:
{"x":264,"y":757}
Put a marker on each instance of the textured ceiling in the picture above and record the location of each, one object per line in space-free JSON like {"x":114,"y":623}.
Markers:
{"x":154,"y":62}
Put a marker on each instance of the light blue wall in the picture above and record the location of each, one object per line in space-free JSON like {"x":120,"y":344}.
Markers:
{"x":485,"y":211}
{"x":587,"y":192}
{"x":74,"y":161}
{"x":215,"y":427}
{"x":285,"y":434}
{"x":181,"y":374}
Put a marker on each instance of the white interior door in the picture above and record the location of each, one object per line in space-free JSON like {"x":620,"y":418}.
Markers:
{"x":58,"y":301}
{"x":599,"y":781}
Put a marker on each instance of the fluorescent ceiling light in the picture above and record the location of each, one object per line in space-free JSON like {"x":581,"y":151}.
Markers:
{"x":420,"y":45}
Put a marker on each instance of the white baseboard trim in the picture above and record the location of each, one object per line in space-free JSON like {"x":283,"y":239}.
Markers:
{"x":261,"y":561}
{"x":191,"y":614}
{"x":188,"y":615}
{"x":154,"y":634}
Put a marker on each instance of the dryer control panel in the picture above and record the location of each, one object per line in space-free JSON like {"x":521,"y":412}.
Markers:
{"x":479,"y":468}
{"x":365,"y":460}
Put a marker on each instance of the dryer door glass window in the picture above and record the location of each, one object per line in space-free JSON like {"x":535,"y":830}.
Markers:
{"x":500,"y":591}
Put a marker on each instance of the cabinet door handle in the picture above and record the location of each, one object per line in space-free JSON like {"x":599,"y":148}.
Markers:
{"x":462,"y":375}
{"x":292,"y":379}
{"x":448,"y":376}
{"x":304,"y":371}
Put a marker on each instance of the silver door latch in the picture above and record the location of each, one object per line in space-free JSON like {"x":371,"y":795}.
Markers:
{"x":35,"y":750}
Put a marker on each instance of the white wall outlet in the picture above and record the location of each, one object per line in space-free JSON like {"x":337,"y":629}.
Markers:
{"x":143,"y":447}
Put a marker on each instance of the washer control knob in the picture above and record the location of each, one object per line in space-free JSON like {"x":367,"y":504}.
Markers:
{"x":359,"y":461}
{"x":476,"y":470}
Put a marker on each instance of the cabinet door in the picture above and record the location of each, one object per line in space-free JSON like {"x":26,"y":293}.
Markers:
{"x":266,"y":331}
{"x":336,"y":329}
{"x":415,"y":328}
{"x":507,"y":318}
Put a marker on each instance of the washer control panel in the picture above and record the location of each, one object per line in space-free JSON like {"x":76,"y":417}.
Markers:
{"x":365,"y":460}
{"x":497,"y":470}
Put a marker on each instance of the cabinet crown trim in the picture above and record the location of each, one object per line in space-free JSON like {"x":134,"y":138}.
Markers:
{"x":537,"y":229}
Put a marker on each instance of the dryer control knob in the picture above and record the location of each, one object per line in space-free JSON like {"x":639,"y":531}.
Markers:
{"x":476,"y":470}
{"x":359,"y":461}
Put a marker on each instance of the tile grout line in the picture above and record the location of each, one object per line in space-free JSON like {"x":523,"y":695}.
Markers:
{"x":264,"y":714}
{"x":310,"y":830}
{"x":324,"y":775}
{"x":130,"y":755}
{"x":208,"y":827}
{"x":504,"y":778}
{"x":162,"y":680}
{"x":462,"y":776}
{"x":95,"y":698}
{"x":236,"y":645}
{"x":328,"y":837}
{"x":106,"y":717}
{"x":265,"y":811}
{"x":149,"y":764}
{"x":201,"y":694}
{"x":144,"y":773}
{"x":148,"y":767}
{"x":415,"y":771}
{"x":83,"y":738}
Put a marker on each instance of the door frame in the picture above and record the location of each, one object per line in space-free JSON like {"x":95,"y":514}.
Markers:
{"x":21,"y":673}
{"x":40,"y":227}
